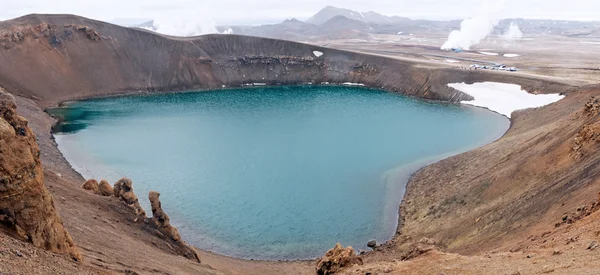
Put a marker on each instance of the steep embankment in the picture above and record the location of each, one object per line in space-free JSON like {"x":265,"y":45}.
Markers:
{"x":520,"y":204}
{"x":470,"y":203}
{"x":544,"y":166}
{"x":27,"y":209}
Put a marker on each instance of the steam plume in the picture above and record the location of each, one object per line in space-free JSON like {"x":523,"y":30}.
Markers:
{"x":513,"y":32}
{"x":475,"y":29}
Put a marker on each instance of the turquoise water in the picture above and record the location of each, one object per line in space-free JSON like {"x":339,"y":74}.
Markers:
{"x":271,"y":173}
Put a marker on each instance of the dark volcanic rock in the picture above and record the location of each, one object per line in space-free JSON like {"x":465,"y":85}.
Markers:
{"x":27,"y":209}
{"x":372,"y":244}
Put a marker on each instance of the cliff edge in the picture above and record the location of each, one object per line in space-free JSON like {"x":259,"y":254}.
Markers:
{"x":27,"y":209}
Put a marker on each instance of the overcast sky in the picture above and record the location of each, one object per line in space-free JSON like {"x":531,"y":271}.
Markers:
{"x":269,"y":11}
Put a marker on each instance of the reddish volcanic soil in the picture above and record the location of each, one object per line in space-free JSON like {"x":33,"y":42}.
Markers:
{"x":512,"y":207}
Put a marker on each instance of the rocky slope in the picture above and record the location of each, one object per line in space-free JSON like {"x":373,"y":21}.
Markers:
{"x":484,"y":200}
{"x":520,"y":195}
{"x":26,"y":207}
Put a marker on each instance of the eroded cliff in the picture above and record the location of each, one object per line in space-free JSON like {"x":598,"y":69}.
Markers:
{"x":26,"y":207}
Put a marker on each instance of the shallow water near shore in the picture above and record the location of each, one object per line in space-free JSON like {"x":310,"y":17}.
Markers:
{"x":275,"y":173}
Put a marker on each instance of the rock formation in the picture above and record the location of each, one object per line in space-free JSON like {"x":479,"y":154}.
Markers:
{"x":27,"y":209}
{"x":162,"y":222}
{"x":91,"y":185}
{"x":423,"y":246}
{"x":592,"y":107}
{"x":54,"y":34}
{"x":580,"y":212}
{"x":336,"y":259}
{"x":105,"y":189}
{"x":589,"y":134}
{"x":123,"y":189}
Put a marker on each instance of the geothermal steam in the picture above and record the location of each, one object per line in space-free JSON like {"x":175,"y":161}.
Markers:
{"x":513,"y":32}
{"x":471,"y":32}
{"x":475,"y":29}
{"x":184,"y":26}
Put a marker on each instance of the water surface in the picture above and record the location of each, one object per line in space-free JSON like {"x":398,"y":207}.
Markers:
{"x":271,"y":173}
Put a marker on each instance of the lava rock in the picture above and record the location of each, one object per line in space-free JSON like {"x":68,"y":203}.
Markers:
{"x":336,"y":259}
{"x":372,"y":243}
{"x":27,"y":207}
{"x":593,"y":245}
{"x":166,"y":230}
{"x":105,"y":189}
{"x":124,"y":191}
{"x":91,"y":185}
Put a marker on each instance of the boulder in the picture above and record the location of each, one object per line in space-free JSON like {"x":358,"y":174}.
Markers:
{"x":336,"y":259}
{"x":372,"y":243}
{"x":124,"y":191}
{"x":104,"y":188}
{"x":161,"y":219}
{"x":91,"y":185}
{"x":162,"y":223}
{"x":27,"y":209}
{"x":117,"y":189}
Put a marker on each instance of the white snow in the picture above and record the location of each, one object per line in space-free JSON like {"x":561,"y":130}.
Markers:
{"x":488,"y":53}
{"x":259,"y":84}
{"x":361,"y":14}
{"x":452,"y":61}
{"x":352,"y":84}
{"x":503,"y":98}
{"x":511,"y":55}
{"x":399,"y":33}
{"x":317,"y":53}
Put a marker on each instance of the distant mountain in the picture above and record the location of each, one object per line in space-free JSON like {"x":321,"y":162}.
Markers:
{"x":332,"y":23}
{"x":149,"y":25}
{"x":330,"y":12}
{"x":341,"y":22}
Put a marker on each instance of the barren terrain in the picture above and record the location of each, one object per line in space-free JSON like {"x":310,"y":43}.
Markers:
{"x":491,"y":210}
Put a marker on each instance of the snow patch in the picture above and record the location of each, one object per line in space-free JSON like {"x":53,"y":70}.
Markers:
{"x":352,"y":84}
{"x":452,"y":61}
{"x":511,"y":55}
{"x":317,"y":53}
{"x":488,"y":53}
{"x":503,"y":98}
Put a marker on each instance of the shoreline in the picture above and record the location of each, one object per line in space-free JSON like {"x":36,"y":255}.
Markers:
{"x":235,"y":60}
{"x":414,"y":166}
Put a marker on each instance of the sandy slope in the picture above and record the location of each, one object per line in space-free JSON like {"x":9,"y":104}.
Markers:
{"x":490,"y":199}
